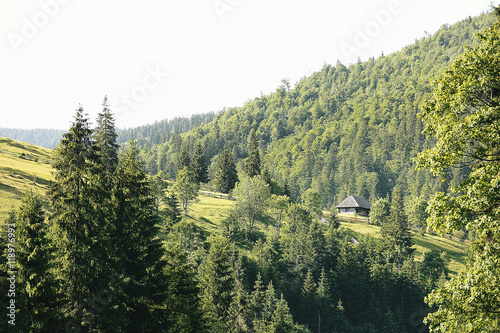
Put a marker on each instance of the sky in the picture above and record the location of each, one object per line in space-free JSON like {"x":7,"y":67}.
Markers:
{"x":160,"y":59}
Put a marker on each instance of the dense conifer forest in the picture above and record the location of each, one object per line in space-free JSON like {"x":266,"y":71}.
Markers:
{"x":116,"y":251}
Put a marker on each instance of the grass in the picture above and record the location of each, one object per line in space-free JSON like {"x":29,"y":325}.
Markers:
{"x":209,"y":212}
{"x":22,"y":166}
{"x":456,"y":251}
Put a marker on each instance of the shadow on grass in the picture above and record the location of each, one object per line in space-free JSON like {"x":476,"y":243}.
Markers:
{"x":456,"y":255}
{"x":205,"y":220}
{"x":10,"y":189}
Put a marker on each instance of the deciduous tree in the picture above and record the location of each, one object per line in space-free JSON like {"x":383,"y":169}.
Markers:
{"x":463,"y":117}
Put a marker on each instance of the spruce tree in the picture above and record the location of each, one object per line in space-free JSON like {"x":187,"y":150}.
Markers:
{"x":183,"y":160}
{"x":266,"y":175}
{"x":105,"y":137}
{"x":36,"y":286}
{"x":253,"y":162}
{"x":137,"y":254}
{"x":217,"y":284}
{"x":226,"y":175}
{"x":396,"y":232}
{"x":199,"y":165}
{"x":77,"y":199}
{"x":182,"y":305}
{"x":308,"y":301}
{"x":172,"y":211}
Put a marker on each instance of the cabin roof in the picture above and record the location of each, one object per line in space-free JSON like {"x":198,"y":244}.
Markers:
{"x":354,"y":201}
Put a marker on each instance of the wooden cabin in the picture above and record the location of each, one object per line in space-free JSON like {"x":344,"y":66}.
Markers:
{"x":354,"y":205}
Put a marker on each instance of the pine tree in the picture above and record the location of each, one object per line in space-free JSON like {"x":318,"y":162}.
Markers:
{"x":253,"y":162}
{"x":105,"y":137}
{"x":199,"y":165}
{"x":226,"y":175}
{"x":36,"y":286}
{"x":77,"y":199}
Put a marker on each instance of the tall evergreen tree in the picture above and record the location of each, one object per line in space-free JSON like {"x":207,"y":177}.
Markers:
{"x":136,"y":251}
{"x":226,"y":175}
{"x":182,"y":304}
{"x":396,"y":232}
{"x":183,"y":160}
{"x":253,"y":162}
{"x":105,"y":137}
{"x":77,"y":199}
{"x":217,"y":284}
{"x":172,"y":211}
{"x":36,"y":286}
{"x":199,"y":164}
{"x":308,"y":298}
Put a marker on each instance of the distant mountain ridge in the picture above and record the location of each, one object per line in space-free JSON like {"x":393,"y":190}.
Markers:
{"x":158,"y":132}
{"x":48,"y":138}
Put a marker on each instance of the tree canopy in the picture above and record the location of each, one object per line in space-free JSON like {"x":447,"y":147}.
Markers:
{"x":463,"y":118}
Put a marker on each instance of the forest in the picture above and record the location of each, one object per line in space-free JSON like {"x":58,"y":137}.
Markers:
{"x":414,"y":132}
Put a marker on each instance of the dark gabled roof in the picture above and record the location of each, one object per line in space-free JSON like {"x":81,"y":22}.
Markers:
{"x":354,"y":201}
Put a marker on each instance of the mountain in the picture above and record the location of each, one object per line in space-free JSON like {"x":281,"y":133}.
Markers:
{"x":341,"y":131}
{"x":22,"y":166}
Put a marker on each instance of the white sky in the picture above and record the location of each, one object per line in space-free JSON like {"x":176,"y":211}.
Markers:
{"x":161,"y":59}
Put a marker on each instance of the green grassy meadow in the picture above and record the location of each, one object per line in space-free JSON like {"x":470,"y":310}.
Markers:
{"x":209,"y":212}
{"x":22,"y":166}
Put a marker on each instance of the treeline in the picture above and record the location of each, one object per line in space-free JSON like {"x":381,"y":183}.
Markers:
{"x":48,"y":138}
{"x":162,"y":131}
{"x":145,"y":136}
{"x":341,"y":131}
{"x":96,"y":262}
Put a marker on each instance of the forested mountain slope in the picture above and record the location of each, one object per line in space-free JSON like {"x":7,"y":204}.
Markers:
{"x":341,"y":131}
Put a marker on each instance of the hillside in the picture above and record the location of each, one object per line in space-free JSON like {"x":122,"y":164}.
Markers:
{"x":22,"y":166}
{"x":209,"y":213}
{"x":342,"y":130}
